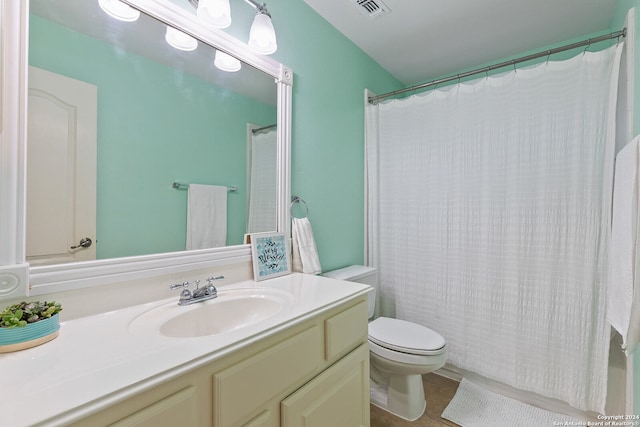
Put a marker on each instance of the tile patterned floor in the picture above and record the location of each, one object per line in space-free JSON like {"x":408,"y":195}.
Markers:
{"x":438,"y":391}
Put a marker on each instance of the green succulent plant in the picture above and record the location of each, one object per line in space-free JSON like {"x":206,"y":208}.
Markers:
{"x":18,"y":315}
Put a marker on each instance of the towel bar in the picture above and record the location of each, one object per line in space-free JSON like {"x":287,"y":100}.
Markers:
{"x":181,"y":186}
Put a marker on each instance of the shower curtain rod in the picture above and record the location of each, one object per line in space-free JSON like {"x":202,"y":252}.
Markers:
{"x":256,"y":130}
{"x":616,"y":34}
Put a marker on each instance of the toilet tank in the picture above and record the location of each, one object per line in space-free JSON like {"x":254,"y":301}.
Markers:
{"x":359,"y":274}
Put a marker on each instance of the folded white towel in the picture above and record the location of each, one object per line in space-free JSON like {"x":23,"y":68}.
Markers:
{"x":623,"y":306}
{"x":305,"y":253}
{"x":206,"y":216}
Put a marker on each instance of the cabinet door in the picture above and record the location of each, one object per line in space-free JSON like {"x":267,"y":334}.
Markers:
{"x":337,"y":397}
{"x":244,"y":390}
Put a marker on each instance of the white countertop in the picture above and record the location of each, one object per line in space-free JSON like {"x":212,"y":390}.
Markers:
{"x":98,"y":360}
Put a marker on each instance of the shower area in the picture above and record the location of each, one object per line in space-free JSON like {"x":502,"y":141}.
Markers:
{"x":489,"y":219}
{"x":262,"y":152}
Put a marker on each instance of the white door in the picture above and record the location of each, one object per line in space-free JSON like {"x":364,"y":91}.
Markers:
{"x":61,"y":169}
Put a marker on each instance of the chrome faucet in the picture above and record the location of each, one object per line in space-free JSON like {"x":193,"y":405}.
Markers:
{"x":199,"y":294}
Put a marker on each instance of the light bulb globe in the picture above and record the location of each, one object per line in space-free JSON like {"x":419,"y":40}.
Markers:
{"x":118,"y":10}
{"x":262,"y":37}
{"x":226,"y":62}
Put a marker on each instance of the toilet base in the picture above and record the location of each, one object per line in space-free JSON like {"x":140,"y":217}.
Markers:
{"x":402,"y":396}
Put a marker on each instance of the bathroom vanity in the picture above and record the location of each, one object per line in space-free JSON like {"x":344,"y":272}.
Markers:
{"x":307,"y":364}
{"x":143,"y":360}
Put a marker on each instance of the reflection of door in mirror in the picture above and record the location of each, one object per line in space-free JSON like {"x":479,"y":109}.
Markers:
{"x":262,"y":178}
{"x":61,"y":167}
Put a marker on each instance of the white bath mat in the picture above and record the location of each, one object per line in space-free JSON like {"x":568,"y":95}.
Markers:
{"x":473,"y":406}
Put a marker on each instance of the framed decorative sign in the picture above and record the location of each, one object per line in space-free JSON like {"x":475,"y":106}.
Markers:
{"x":270,"y":253}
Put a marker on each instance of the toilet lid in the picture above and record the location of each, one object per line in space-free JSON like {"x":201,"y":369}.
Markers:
{"x":404,"y":336}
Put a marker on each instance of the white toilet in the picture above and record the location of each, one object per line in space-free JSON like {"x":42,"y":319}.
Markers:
{"x":401,"y":352}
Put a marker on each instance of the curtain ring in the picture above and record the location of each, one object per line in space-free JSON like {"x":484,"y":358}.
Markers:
{"x":513,"y":62}
{"x":588,"y":46}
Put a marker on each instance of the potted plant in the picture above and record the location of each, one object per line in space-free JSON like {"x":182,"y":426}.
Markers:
{"x":28,"y":324}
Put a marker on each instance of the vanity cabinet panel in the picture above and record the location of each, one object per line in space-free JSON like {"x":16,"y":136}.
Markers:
{"x":248,"y":386}
{"x":180,"y":402}
{"x":315,"y":373}
{"x":337,"y":397}
{"x":263,"y":420}
{"x":345,"y":330}
{"x":174,"y":410}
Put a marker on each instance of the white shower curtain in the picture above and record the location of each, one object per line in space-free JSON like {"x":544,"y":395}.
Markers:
{"x":261,"y":205}
{"x":489,"y":220}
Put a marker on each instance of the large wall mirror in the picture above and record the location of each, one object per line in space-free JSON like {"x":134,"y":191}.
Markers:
{"x":120,"y":123}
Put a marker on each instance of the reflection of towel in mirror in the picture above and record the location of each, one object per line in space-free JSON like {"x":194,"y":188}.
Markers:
{"x":305,"y":253}
{"x":623,"y":310}
{"x":206,"y":216}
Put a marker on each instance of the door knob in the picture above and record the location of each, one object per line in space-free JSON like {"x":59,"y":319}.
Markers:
{"x":84,"y":243}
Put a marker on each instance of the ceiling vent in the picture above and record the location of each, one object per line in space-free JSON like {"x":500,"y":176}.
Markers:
{"x":372,"y":8}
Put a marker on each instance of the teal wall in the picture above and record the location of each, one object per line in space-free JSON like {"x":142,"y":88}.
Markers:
{"x":195,"y":133}
{"x":330,"y":75}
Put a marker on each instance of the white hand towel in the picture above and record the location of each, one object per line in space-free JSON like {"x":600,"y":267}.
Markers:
{"x":623,"y":306}
{"x":206,"y":216}
{"x":305,"y":253}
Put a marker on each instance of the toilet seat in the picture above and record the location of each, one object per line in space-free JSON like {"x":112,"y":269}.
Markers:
{"x":405,"y":337}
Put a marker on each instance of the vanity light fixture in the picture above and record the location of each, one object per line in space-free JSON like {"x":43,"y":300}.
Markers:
{"x":226,"y":62}
{"x":119,"y":10}
{"x":217,"y":13}
{"x":180,"y":40}
{"x":262,"y":37}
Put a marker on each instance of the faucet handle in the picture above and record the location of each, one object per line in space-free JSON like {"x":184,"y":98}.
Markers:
{"x":211,"y":289}
{"x":183,"y":285}
{"x":186,"y":293}
{"x":210,"y":279}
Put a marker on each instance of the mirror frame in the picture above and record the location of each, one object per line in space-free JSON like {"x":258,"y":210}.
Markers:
{"x":17,"y":279}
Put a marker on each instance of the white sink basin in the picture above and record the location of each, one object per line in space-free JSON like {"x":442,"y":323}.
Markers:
{"x":231,"y":310}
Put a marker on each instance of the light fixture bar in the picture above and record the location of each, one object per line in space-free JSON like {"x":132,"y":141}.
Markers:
{"x":259,"y":7}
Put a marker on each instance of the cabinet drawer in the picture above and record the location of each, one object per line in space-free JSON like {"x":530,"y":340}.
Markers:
{"x":178,"y":409}
{"x":242,"y":391}
{"x":337,"y":397}
{"x":345,"y":331}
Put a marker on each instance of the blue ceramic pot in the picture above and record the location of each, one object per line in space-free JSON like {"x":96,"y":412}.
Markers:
{"x":30,"y":332}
